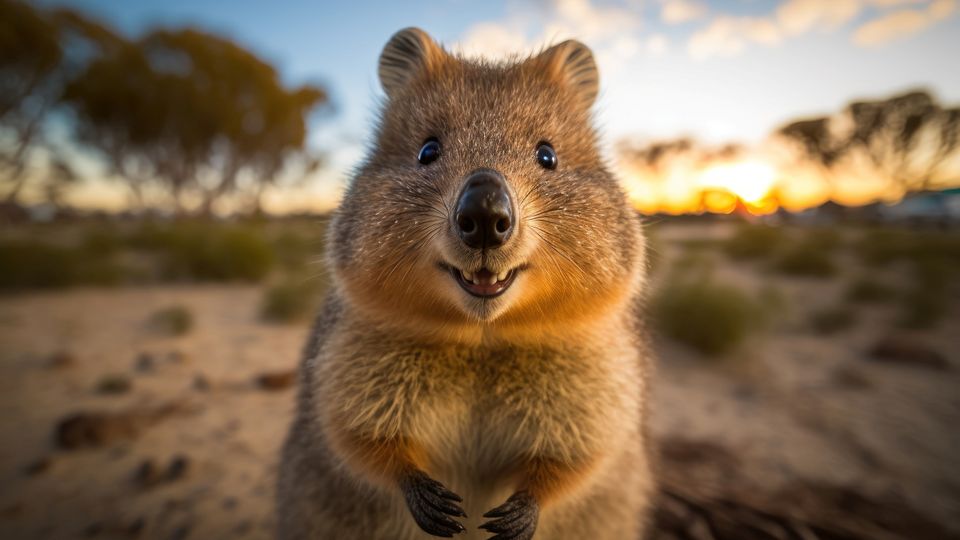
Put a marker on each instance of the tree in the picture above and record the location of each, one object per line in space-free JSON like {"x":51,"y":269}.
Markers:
{"x":30,"y":55}
{"x":908,"y":139}
{"x":39,"y":52}
{"x":191,"y":112}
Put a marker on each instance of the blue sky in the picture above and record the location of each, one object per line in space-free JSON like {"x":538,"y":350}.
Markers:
{"x":718,"y":71}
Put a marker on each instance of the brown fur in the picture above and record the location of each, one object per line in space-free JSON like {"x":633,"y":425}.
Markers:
{"x":540,"y":389}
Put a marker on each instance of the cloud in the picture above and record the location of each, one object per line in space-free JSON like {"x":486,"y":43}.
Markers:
{"x":614,"y":32}
{"x":799,"y":16}
{"x":902,"y":23}
{"x":493,"y":39}
{"x":680,"y":11}
{"x":728,"y":36}
{"x":528,"y":27}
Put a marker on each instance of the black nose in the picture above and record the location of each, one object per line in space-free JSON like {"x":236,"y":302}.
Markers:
{"x":484,"y":215}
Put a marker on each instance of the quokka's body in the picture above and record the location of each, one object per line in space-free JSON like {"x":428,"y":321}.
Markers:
{"x":480,"y":349}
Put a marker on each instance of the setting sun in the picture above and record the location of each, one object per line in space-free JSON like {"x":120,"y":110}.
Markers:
{"x":752,"y":181}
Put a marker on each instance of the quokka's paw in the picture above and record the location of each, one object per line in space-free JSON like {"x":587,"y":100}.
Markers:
{"x":432,"y":504}
{"x":515,"y":519}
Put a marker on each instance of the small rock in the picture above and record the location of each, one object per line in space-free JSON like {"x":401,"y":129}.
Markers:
{"x":114,"y":384}
{"x":145,"y":363}
{"x":178,"y":468}
{"x":851,"y":378}
{"x":201,"y":383}
{"x":92,"y":430}
{"x":135,"y":527}
{"x":908,"y":351}
{"x":180,"y":533}
{"x":39,"y":466}
{"x":61,"y":360}
{"x":96,"y":429}
{"x":147,"y":474}
{"x":279,"y":380}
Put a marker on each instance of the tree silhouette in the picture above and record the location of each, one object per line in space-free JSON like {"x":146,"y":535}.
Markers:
{"x":30,"y":56}
{"x":907,"y":138}
{"x":39,"y":52}
{"x":192,"y":112}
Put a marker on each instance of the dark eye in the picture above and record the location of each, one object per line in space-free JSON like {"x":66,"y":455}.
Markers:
{"x":546,"y":156}
{"x":429,"y":152}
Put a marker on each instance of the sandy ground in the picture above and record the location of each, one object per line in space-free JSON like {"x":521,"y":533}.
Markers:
{"x":791,"y":407}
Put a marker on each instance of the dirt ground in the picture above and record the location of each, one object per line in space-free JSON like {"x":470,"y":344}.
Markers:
{"x":795,"y":430}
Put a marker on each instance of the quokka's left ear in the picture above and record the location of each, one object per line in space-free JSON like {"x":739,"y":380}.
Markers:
{"x":409,"y":54}
{"x":571,"y":64}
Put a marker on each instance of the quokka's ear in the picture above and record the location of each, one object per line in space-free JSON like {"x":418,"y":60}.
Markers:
{"x":408,"y":54}
{"x":571,"y":63}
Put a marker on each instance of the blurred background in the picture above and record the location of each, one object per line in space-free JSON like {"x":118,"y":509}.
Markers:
{"x":167,"y":169}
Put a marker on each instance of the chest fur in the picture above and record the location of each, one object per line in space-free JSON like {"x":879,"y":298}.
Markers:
{"x":483,"y":409}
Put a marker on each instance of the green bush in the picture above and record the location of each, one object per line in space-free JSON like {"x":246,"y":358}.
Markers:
{"x":922,"y":309}
{"x":866,"y":289}
{"x":824,"y":238}
{"x":209,"y":252}
{"x":832,"y":320}
{"x":36,"y":265}
{"x":880,"y":246}
{"x":290,"y":301}
{"x":712,"y":318}
{"x":925,"y":304}
{"x":753,"y":241}
{"x":41,"y":265}
{"x":172,"y":321}
{"x":805,"y":259}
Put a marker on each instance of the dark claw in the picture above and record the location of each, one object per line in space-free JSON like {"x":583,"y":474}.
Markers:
{"x":516,"y":519}
{"x":432,"y":504}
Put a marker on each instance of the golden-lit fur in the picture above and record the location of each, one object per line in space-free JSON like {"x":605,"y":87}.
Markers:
{"x":542,"y":388}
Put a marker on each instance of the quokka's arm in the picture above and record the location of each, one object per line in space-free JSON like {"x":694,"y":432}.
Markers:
{"x":401,"y":462}
{"x":543,"y":480}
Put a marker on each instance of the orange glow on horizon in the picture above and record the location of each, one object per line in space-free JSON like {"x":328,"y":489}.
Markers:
{"x":751,"y":181}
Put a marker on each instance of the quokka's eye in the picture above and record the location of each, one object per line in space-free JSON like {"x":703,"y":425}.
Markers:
{"x":429,"y":152}
{"x":546,"y":156}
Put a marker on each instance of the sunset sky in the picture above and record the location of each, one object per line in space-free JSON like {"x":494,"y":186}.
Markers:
{"x":720,"y":72}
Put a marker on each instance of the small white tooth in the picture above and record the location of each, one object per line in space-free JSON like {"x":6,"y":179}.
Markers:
{"x":475,"y":280}
{"x":466,"y":275}
{"x":503,"y":275}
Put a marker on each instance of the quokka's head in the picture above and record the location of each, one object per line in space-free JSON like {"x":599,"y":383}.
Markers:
{"x":483,"y":201}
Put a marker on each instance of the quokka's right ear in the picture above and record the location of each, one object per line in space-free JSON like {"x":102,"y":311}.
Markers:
{"x":409,"y":54}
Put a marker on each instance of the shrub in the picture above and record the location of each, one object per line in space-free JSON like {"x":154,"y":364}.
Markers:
{"x":866,"y":289}
{"x":290,"y":301}
{"x":824,"y":238}
{"x":880,"y":246}
{"x":172,"y":321}
{"x":710,"y":317}
{"x":753,"y":241}
{"x":805,"y":259}
{"x":210,"y":252}
{"x":36,"y":265}
{"x":925,"y":304}
{"x":922,"y":309}
{"x":832,"y":320}
{"x":39,"y":265}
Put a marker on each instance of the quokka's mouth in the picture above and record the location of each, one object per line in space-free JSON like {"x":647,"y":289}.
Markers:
{"x":483,"y":283}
